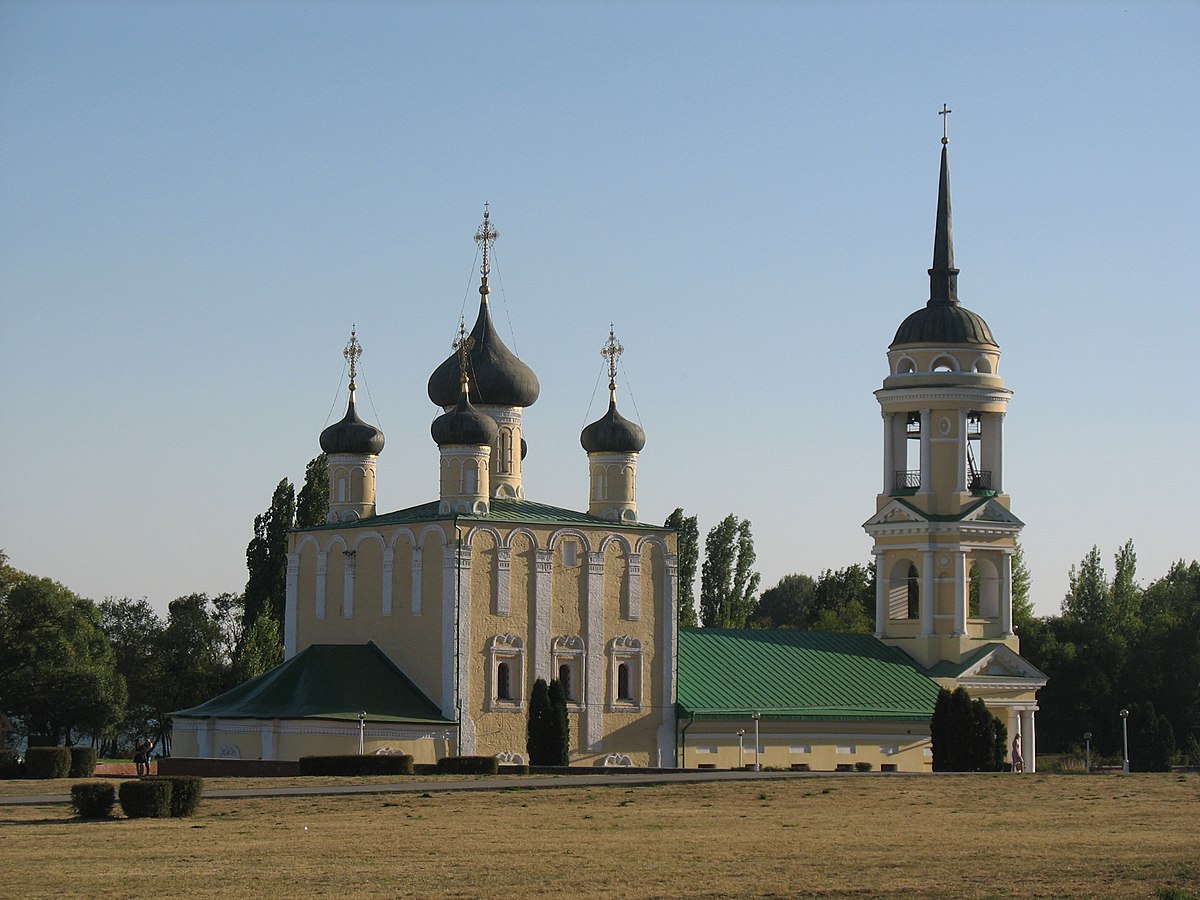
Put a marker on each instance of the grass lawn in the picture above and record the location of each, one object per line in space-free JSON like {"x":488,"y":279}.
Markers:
{"x":862,"y":836}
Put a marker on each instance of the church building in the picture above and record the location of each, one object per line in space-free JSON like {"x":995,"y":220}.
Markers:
{"x":422,"y":630}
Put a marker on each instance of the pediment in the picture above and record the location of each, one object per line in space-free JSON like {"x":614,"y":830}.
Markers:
{"x":993,"y":512}
{"x":895,"y":513}
{"x":1002,"y":664}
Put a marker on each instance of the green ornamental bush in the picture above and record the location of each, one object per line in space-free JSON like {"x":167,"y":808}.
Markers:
{"x":862,"y":767}
{"x":185,"y":793}
{"x":93,"y":799}
{"x":468,"y":765}
{"x":11,"y":765}
{"x":83,"y":762}
{"x":47,"y":762}
{"x":147,"y":798}
{"x":356,"y":765}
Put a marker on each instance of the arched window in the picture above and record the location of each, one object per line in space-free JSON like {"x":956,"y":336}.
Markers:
{"x":503,"y":682}
{"x":564,"y":680}
{"x":623,"y":682}
{"x":914,"y":593}
{"x":625,"y":687}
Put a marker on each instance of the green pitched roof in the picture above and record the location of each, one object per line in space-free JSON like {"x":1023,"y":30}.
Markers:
{"x":731,"y":673}
{"x":326,"y":681}
{"x":525,"y":512}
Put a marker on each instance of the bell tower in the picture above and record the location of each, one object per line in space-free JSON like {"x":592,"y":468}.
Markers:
{"x":944,"y":536}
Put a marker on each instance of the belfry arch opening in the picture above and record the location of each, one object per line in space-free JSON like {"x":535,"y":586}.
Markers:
{"x":984,"y":590}
{"x":904,"y":591}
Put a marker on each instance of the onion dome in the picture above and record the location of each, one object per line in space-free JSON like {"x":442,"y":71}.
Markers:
{"x":613,"y":433}
{"x":498,"y":377}
{"x":463,"y":425}
{"x":352,"y":434}
{"x":944,"y":320}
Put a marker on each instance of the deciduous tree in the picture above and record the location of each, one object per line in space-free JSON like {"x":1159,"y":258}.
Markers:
{"x":688,"y":553}
{"x":728,"y":586}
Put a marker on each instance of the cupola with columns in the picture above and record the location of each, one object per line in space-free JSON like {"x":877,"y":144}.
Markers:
{"x":501,"y":386}
{"x":944,"y":536}
{"x":612,"y":443}
{"x":353,"y":446}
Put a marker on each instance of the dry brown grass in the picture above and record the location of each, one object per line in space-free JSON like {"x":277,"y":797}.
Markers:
{"x":939,"y":836}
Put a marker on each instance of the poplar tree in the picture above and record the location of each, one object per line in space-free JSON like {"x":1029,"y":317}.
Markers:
{"x":266,"y":557}
{"x":688,"y":554}
{"x":312,"y":503}
{"x":728,"y":587}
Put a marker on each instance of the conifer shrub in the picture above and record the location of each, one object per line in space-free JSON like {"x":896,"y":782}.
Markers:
{"x":11,"y":765}
{"x":862,"y":767}
{"x":93,"y":799}
{"x":83,"y":762}
{"x":353,"y":764}
{"x":146,"y":798}
{"x":185,"y":793}
{"x":47,"y":762}
{"x":468,"y":765}
{"x":966,"y":736}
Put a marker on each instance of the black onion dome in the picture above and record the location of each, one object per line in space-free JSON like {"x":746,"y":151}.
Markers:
{"x":944,"y":323}
{"x":463,"y":425}
{"x":613,"y":433}
{"x":498,"y":378}
{"x":352,"y":435}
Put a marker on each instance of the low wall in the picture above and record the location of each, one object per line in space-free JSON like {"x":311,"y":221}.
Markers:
{"x":228,"y":768}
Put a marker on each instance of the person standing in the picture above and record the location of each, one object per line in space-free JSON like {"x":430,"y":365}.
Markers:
{"x":1018,"y":764}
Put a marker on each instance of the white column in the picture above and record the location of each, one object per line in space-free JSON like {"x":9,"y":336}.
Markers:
{"x":543,"y":587}
{"x":961,"y":443}
{"x":416,"y":580}
{"x":348,"y":584}
{"x":633,"y":586}
{"x":290,"y":605}
{"x":1028,"y":740}
{"x":503,"y":580}
{"x":322,"y":571}
{"x":928,"y":594}
{"x":889,"y":450}
{"x":202,"y":748}
{"x":881,"y":587}
{"x":593,"y":728}
{"x":926,"y":451}
{"x":960,"y":592}
{"x":998,"y":452}
{"x":389,"y":562}
{"x":1006,"y":609}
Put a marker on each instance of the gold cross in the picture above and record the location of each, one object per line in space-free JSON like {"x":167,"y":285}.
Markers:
{"x":945,"y":114}
{"x":486,"y":236}
{"x":352,"y":352}
{"x":612,"y":351}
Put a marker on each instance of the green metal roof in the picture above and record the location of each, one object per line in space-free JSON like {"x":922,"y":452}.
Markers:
{"x":326,"y":681}
{"x":524,"y":512}
{"x":731,"y":673}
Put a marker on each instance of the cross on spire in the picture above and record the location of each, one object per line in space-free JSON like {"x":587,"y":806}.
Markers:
{"x":352,"y":352}
{"x":612,"y":351}
{"x":462,"y":346}
{"x":486,"y":236}
{"x":945,"y":114}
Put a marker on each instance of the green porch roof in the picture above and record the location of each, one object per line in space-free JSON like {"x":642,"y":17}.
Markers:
{"x":524,"y":512}
{"x":731,"y":673}
{"x":326,"y":681}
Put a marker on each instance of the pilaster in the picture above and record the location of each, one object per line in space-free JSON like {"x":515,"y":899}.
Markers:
{"x":594,"y":660}
{"x":543,"y":587}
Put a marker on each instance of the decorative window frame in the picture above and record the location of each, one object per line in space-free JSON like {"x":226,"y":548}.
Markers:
{"x":628,"y":651}
{"x":510,"y":649}
{"x":568,"y":650}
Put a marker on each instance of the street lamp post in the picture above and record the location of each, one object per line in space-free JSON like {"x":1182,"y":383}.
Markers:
{"x":1087,"y":744}
{"x":740,"y":734}
{"x":362,"y":730}
{"x":1125,"y":735}
{"x":757,"y":745}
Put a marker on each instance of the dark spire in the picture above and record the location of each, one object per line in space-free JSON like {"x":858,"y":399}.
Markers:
{"x":943,"y":277}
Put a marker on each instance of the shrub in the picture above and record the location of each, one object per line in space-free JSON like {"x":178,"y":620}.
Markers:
{"x":147,"y":798}
{"x":83,"y":762}
{"x":185,"y":793}
{"x":11,"y":765}
{"x":468,"y":765}
{"x":93,"y":799}
{"x":862,"y":767}
{"x":47,"y":762}
{"x":356,"y":765}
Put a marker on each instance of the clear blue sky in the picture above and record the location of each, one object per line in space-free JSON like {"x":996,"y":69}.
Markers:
{"x":198,"y":199}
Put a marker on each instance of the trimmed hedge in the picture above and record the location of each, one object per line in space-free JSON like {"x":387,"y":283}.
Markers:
{"x":148,"y":798}
{"x":93,"y":799}
{"x":468,"y":765}
{"x":83,"y":762}
{"x":47,"y":762}
{"x":356,"y":765}
{"x":186,"y":791}
{"x":11,"y":765}
{"x":862,"y":767}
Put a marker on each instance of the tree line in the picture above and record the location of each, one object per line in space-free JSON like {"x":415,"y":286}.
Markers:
{"x":74,"y":670}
